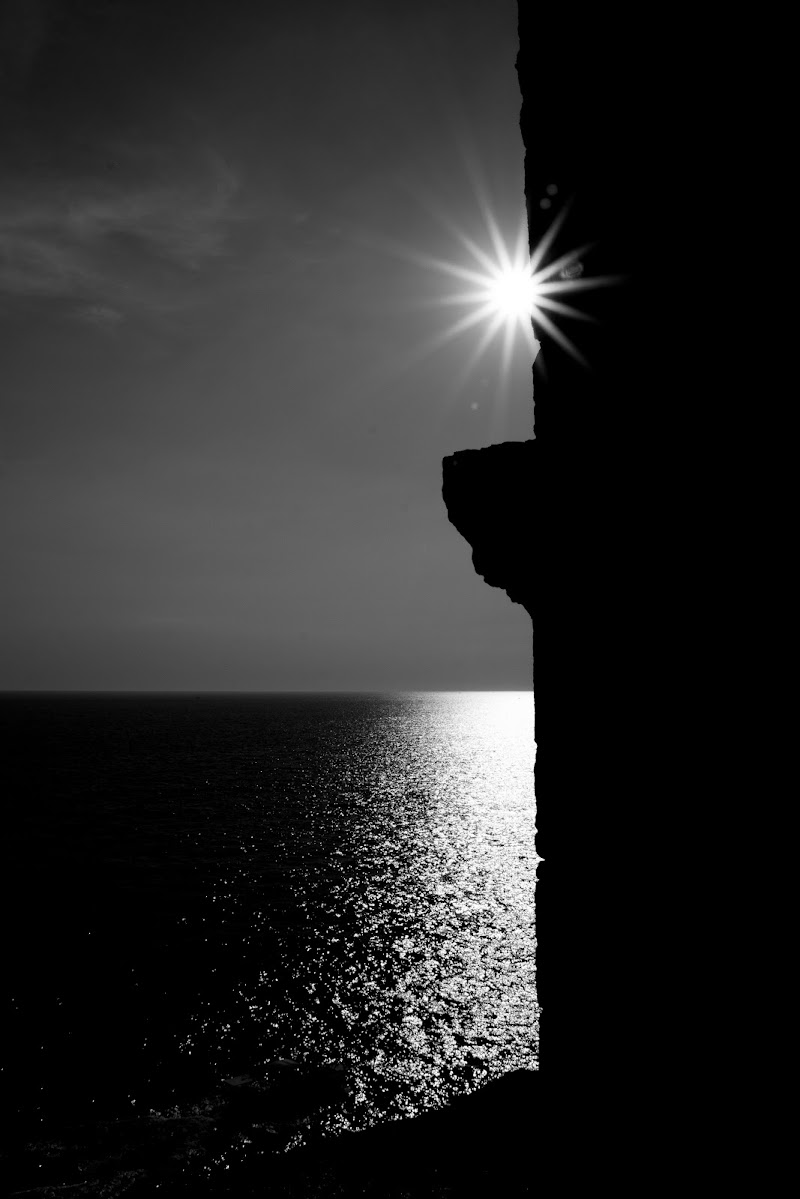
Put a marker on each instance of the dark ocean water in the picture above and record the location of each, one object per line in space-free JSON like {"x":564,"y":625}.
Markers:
{"x":326,"y":899}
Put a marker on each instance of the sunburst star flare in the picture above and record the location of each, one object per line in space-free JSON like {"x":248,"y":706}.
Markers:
{"x":509,"y":291}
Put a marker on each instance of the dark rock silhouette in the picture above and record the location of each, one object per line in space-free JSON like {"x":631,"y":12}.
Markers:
{"x":474,"y":1146}
{"x":488,"y":494}
{"x":561,"y":524}
{"x":478,"y":1145}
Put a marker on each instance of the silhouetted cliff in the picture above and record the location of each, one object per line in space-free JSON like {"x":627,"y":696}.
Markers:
{"x":569,"y":526}
{"x":489,"y":498}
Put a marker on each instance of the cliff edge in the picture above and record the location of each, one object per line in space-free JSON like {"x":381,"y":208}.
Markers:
{"x":488,"y":494}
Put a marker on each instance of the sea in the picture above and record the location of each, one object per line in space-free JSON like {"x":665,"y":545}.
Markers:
{"x":235,"y":923}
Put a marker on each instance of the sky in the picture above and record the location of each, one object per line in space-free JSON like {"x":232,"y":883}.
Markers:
{"x":225,"y":385}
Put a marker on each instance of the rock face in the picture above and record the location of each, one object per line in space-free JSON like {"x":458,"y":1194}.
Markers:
{"x":478,"y":1146}
{"x":488,"y":494}
{"x":241,"y":1141}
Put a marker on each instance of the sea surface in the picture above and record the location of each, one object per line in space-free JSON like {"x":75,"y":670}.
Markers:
{"x":320,"y":907}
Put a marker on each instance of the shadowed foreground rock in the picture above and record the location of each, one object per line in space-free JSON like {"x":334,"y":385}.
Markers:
{"x":244,"y":1141}
{"x":481,"y":1144}
{"x":488,"y":494}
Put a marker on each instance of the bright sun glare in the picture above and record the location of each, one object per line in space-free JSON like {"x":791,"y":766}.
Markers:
{"x":505,"y":290}
{"x":512,"y":292}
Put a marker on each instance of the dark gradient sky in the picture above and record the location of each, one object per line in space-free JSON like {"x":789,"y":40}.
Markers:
{"x":221,"y":445}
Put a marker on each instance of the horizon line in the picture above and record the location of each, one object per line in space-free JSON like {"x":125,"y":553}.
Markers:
{"x":259,"y":691}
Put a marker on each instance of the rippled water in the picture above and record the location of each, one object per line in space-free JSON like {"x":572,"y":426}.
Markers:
{"x":206,"y":885}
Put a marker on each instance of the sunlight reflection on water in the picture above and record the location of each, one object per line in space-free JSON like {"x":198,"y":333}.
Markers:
{"x":409,"y":957}
{"x":278,"y":917}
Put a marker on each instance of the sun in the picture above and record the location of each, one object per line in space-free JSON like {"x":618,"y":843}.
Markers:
{"x":507,"y":292}
{"x":502,"y":293}
{"x":512,"y":293}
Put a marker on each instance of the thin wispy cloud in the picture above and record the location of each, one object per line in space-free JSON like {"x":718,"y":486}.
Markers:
{"x":186,"y":224}
{"x":109,"y":244}
{"x":41,"y":262}
{"x":101,"y":315}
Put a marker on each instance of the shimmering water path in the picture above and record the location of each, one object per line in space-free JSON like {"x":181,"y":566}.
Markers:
{"x":225,"y":886}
